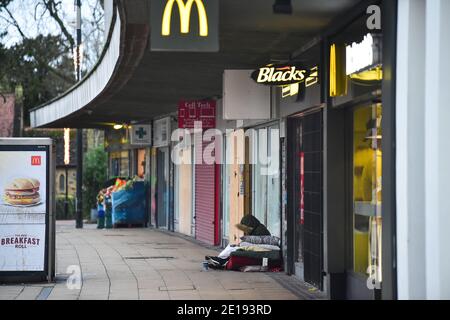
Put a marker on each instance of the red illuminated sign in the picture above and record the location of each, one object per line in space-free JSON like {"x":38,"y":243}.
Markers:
{"x":190,"y":112}
{"x":302,"y":188}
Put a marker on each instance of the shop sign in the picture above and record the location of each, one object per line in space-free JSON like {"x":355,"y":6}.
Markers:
{"x":203,"y":111}
{"x":363,"y":55}
{"x":162,"y":132}
{"x":293,"y":79}
{"x":280,"y":75}
{"x":141,"y":134}
{"x":291,"y":90}
{"x":184,"y":25}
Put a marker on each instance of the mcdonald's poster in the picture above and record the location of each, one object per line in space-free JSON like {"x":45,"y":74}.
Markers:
{"x":184,"y":25}
{"x":23,"y":178}
{"x":23,"y":192}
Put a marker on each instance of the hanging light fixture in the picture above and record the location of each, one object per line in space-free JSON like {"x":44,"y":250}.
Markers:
{"x":282,"y":7}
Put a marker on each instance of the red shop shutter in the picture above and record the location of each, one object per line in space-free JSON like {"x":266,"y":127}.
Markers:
{"x":206,"y":205}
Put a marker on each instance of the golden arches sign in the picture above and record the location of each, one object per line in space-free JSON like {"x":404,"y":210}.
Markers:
{"x":185,"y":16}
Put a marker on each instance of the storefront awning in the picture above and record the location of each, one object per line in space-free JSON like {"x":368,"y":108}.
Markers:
{"x":131,"y":83}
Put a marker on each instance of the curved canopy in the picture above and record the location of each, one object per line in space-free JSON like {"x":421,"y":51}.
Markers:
{"x":131,"y":83}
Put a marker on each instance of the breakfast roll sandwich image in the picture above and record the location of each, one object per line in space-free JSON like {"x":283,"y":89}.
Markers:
{"x":22,"y":192}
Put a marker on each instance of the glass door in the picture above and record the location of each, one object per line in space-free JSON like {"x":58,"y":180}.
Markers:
{"x":273,"y":181}
{"x":226,"y":190}
{"x":163,"y":187}
{"x":308,"y":197}
{"x":259,"y":179}
{"x":266,"y":177}
{"x":141,"y":164}
{"x":367,"y":186}
{"x":183,"y":192}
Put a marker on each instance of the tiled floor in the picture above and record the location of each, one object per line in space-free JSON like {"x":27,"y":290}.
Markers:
{"x":145,"y":264}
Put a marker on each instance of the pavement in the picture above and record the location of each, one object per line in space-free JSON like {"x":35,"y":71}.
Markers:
{"x":147,"y":264}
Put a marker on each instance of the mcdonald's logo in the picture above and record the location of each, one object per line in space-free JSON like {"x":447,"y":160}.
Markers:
{"x":185,"y":16}
{"x":36,"y":160}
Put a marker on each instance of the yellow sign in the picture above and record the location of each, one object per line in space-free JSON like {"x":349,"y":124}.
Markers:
{"x":313,"y":77}
{"x":338,"y":78}
{"x":185,"y":16}
{"x":291,"y":90}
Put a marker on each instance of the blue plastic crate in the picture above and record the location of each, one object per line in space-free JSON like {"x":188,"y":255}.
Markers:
{"x":129,"y":206}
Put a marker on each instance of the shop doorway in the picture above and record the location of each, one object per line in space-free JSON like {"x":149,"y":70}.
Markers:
{"x":140,"y":162}
{"x":305,"y":152}
{"x":237,"y":185}
{"x":236,"y":150}
{"x":364,"y":274}
{"x":162,"y":187}
{"x":266,"y":177}
{"x":184,"y":213}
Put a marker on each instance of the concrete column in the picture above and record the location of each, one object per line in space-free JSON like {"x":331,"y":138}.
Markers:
{"x":410,"y":149}
{"x":423,"y":149}
{"x":437,"y":149}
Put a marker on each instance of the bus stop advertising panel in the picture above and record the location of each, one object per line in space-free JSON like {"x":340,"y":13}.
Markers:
{"x":26,"y":210}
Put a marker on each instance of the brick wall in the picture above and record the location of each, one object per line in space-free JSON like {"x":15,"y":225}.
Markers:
{"x":7,"y":105}
{"x":60,"y":188}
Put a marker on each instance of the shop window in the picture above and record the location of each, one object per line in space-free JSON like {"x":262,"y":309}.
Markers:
{"x":141,"y":163}
{"x":62,"y":183}
{"x":266,"y":178}
{"x":125,"y":164}
{"x":227,"y":169}
{"x":120,"y":164}
{"x":115,"y":167}
{"x":367,"y":185}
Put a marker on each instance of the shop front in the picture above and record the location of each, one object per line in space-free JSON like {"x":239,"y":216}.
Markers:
{"x":265,"y":175}
{"x":251,"y":143}
{"x":354,"y":162}
{"x":302,"y":111}
{"x":184,"y":191}
{"x":207,"y":189}
{"x":197,"y":171}
{"x":162,"y":212}
{"x":234,"y":195}
{"x":337,"y":231}
{"x":125,"y":158}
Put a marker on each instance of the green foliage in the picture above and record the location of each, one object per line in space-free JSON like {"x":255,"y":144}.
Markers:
{"x":42,"y":133}
{"x":94,"y":176}
{"x":40,"y":66}
{"x":60,"y":208}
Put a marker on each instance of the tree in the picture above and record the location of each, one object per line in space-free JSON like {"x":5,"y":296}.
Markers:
{"x":41,"y":63}
{"x":94,"y":176}
{"x":40,"y":66}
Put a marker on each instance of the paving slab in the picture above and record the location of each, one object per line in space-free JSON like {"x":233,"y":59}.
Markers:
{"x":148,"y":264}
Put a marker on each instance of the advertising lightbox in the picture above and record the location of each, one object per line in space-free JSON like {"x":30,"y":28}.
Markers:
{"x":26,"y":218}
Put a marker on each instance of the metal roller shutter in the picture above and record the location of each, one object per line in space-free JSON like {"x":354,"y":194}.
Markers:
{"x":206,"y":204}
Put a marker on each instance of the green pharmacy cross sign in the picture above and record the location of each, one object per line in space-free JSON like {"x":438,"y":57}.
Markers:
{"x":141,"y":133}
